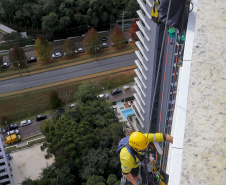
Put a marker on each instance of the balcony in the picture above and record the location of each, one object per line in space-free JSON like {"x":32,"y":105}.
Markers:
{"x":142,"y":30}
{"x":139,"y":95}
{"x":141,"y":60}
{"x":142,"y":17}
{"x":149,"y":3}
{"x":140,"y":78}
{"x":140,"y":47}
{"x":138,"y":115}
{"x":139,"y":71}
{"x":141,"y":38}
{"x":142,"y":5}
{"x":140,"y":87}
{"x":138,"y":104}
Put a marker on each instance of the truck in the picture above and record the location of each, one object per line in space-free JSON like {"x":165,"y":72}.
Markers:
{"x":12,"y":138}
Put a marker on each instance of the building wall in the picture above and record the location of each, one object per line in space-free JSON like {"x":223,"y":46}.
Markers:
{"x":5,"y":169}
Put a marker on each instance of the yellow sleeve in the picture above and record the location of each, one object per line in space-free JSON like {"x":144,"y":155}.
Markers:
{"x":127,"y":161}
{"x":157,"y":137}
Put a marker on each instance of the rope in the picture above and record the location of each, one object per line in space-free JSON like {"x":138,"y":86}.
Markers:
{"x":171,"y":103}
{"x":159,"y":64}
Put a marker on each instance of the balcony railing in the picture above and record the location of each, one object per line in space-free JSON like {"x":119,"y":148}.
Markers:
{"x":140,"y":72}
{"x":141,"y":27}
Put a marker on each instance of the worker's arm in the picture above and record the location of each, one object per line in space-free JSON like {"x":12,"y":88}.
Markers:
{"x":158,"y":137}
{"x":169,"y":138}
{"x":131,"y":179}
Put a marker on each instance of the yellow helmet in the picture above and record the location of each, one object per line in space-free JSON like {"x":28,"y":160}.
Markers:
{"x":138,"y":140}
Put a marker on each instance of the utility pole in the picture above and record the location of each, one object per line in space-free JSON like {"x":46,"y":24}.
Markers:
{"x":123,"y":15}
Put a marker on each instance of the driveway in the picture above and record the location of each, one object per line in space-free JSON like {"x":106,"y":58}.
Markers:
{"x":28,"y":163}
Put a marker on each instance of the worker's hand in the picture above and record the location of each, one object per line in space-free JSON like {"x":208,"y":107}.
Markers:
{"x":169,"y":138}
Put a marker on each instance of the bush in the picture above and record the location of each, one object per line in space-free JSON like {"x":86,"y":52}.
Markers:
{"x":3,"y":119}
{"x":54,"y":100}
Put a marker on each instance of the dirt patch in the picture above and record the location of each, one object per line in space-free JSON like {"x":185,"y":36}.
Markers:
{"x":28,"y":163}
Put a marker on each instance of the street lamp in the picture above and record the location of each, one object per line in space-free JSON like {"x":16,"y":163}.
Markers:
{"x":19,"y":68}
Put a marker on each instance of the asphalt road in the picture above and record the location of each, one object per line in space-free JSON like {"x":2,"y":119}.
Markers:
{"x":66,"y":73}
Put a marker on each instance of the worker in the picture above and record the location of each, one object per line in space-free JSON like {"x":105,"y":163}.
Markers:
{"x":138,"y":142}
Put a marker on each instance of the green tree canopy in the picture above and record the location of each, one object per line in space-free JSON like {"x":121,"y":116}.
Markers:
{"x":94,"y":179}
{"x":87,"y":136}
{"x":86,"y":92}
{"x":112,"y":178}
{"x":50,"y":23}
{"x":91,"y":41}
{"x":17,"y":56}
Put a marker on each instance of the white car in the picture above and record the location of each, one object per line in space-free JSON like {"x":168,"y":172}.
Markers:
{"x":13,"y":132}
{"x":5,"y":64}
{"x":72,"y":105}
{"x":25,"y":122}
{"x":104,"y":45}
{"x":80,"y":50}
{"x":56,"y":55}
{"x":105,"y":96}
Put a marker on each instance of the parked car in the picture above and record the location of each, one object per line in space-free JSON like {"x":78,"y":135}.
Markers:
{"x":72,"y":105}
{"x":104,"y":45}
{"x":25,"y":122}
{"x":116,"y":91}
{"x":13,"y":132}
{"x":103,"y":38}
{"x":105,"y":96}
{"x":56,"y":55}
{"x":80,"y":50}
{"x":41,"y":117}
{"x":12,"y":127}
{"x":61,"y":110}
{"x":5,"y":64}
{"x":32,"y":59}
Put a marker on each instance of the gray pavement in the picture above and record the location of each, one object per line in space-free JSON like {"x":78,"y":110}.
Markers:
{"x":66,"y":73}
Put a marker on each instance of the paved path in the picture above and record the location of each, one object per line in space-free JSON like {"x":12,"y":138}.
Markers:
{"x":66,"y":73}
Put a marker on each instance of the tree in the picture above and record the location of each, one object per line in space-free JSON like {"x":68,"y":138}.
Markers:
{"x":43,"y":50}
{"x":50,"y":23}
{"x":17,"y":57}
{"x":54,"y":100}
{"x":133,"y":29}
{"x":94,"y":179}
{"x":66,"y":174}
{"x":91,"y":41}
{"x":117,"y":38}
{"x":112,"y":179}
{"x":3,"y":119}
{"x":86,"y":92}
{"x":68,"y":47}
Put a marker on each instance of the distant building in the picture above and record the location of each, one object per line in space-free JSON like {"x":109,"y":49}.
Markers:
{"x":5,"y":169}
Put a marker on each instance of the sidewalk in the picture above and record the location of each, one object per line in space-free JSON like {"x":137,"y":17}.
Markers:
{"x":28,"y":163}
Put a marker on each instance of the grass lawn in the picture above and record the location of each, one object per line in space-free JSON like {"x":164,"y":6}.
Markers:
{"x":27,"y":104}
